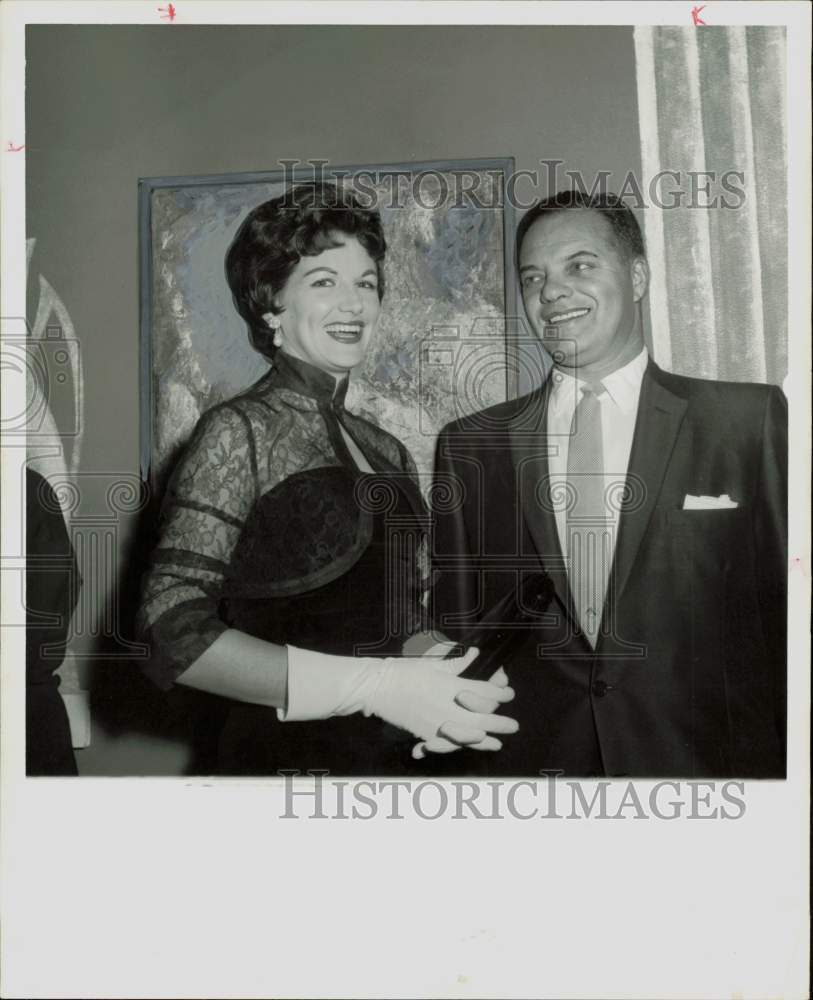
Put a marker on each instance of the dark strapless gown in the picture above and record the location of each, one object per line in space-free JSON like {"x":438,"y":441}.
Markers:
{"x":369,"y":610}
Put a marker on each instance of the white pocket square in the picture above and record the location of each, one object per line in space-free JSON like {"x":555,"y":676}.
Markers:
{"x":723,"y":502}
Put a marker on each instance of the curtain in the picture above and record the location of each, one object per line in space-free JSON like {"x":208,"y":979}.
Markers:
{"x":713,"y":99}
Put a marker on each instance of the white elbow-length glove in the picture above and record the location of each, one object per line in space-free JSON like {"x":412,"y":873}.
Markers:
{"x":422,"y":694}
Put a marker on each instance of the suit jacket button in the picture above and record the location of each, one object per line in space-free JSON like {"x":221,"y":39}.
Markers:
{"x":600,"y":688}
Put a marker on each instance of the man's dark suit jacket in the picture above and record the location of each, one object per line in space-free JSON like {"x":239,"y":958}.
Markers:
{"x":688,"y":677}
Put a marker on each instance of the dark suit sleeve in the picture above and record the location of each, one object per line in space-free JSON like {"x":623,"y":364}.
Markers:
{"x":52,"y":581}
{"x":771,"y":541}
{"x":52,"y":587}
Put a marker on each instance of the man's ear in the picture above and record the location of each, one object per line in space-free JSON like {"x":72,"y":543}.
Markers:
{"x":639,"y":271}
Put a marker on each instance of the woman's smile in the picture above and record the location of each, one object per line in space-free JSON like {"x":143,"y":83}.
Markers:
{"x":345,"y":333}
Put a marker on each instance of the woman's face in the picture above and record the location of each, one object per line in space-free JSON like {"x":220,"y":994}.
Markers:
{"x":330,"y":307}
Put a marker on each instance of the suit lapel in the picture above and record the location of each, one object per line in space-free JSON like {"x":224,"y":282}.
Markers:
{"x":529,"y":453}
{"x":660,"y":414}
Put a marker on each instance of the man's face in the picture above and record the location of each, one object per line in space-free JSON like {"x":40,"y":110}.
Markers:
{"x":580,"y":291}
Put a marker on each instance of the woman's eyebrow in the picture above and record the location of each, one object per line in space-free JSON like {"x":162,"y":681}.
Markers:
{"x":313,"y":270}
{"x":330,"y":270}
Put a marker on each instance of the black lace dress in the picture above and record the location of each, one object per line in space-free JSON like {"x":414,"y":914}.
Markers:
{"x":269,"y":527}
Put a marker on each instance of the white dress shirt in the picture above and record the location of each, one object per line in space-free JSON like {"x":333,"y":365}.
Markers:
{"x":619,"y":408}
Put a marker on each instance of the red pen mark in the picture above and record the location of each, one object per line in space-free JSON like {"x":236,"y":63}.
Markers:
{"x":170,"y":13}
{"x":11,"y":148}
{"x":696,"y":18}
{"x":798,"y":563}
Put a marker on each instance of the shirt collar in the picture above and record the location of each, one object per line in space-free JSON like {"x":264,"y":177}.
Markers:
{"x":623,"y":385}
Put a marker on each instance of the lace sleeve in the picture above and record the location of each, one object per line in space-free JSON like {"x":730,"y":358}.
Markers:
{"x":208,"y":498}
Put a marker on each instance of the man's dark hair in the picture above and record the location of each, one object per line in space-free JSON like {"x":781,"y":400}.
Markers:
{"x":276,"y":235}
{"x":625,"y":226}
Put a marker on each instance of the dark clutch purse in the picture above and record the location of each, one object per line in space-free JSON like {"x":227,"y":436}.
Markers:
{"x":500,"y":635}
{"x":503,"y":630}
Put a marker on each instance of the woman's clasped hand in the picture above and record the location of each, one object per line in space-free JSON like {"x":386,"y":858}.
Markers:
{"x":422,"y":694}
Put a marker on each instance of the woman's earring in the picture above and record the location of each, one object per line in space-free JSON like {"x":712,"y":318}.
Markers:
{"x":274,"y":322}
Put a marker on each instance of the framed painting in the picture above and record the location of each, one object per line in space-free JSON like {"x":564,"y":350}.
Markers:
{"x":447,"y":341}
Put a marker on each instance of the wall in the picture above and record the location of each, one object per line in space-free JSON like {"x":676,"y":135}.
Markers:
{"x":107,"y":105}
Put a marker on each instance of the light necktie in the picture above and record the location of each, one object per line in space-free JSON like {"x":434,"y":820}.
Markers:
{"x":588,"y":526}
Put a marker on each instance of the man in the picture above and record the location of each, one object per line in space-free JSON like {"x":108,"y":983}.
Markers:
{"x":657,"y":504}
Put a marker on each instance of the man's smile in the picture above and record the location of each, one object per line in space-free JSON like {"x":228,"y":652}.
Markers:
{"x":558,"y":318}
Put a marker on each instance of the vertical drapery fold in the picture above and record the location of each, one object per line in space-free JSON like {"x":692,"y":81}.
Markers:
{"x":766,"y":61}
{"x":712,"y":123}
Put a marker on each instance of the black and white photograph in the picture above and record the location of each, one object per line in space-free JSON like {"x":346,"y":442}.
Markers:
{"x":406,"y":467}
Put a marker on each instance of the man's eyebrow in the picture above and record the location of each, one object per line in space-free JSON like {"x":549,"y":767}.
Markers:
{"x":570,"y":256}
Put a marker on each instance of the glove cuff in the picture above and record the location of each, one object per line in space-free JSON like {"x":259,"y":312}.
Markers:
{"x":321,"y":685}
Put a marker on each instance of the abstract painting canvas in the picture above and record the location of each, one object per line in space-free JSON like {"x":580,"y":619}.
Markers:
{"x":441,"y":347}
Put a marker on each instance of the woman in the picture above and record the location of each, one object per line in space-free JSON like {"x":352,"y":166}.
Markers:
{"x":277,"y":578}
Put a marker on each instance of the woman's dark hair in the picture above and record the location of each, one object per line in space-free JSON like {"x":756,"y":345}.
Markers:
{"x":274,"y":237}
{"x":624,"y":225}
